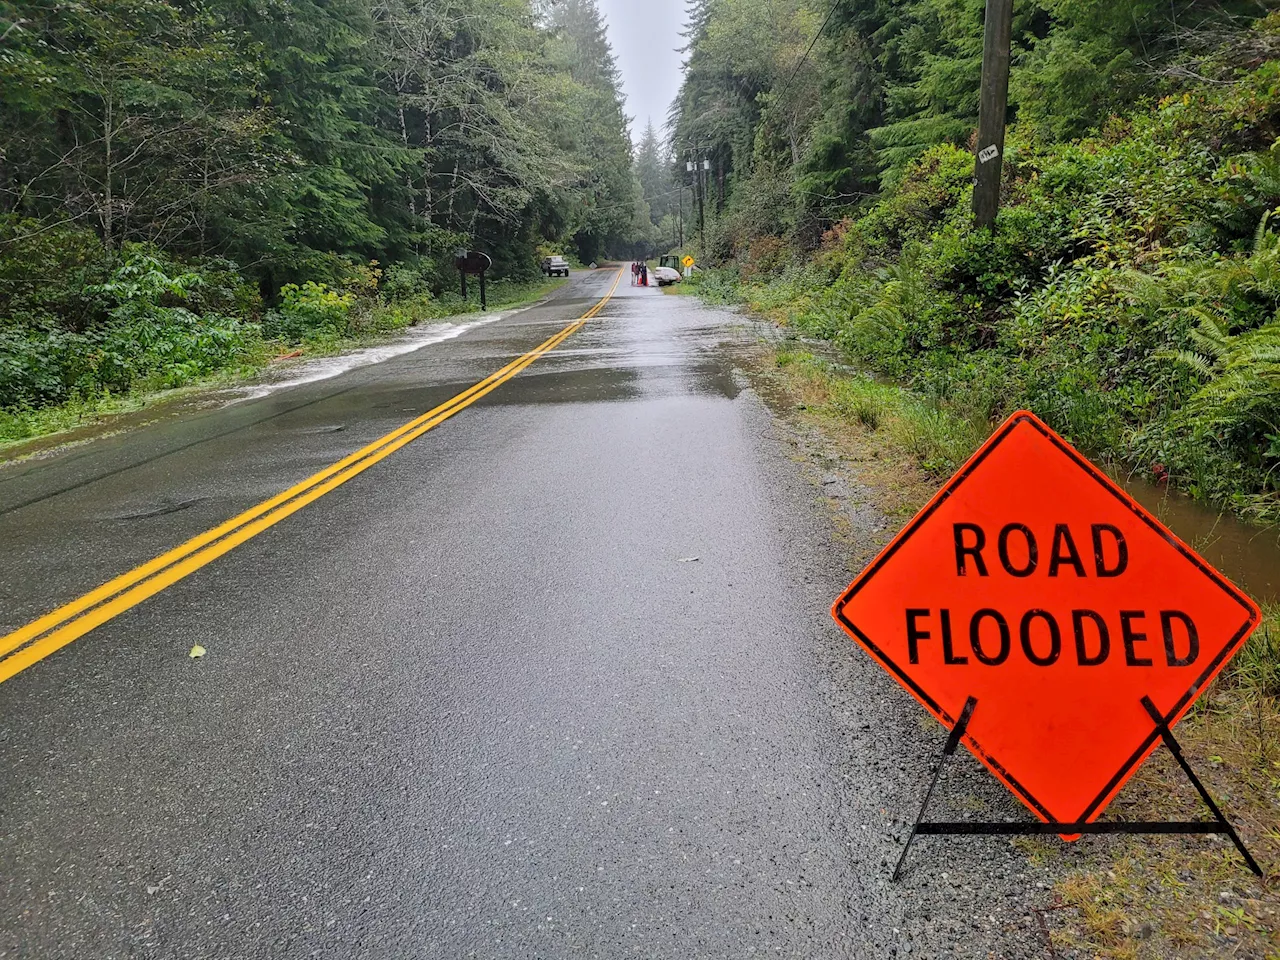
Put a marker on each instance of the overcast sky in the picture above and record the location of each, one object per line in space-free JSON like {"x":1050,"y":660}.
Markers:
{"x":645,"y":35}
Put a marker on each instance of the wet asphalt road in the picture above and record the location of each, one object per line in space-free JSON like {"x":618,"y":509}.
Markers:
{"x":555,"y":680}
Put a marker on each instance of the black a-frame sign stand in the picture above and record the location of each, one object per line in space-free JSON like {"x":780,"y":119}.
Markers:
{"x":1218,"y":824}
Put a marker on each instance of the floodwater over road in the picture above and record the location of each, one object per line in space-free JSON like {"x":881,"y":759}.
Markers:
{"x":326,"y":368}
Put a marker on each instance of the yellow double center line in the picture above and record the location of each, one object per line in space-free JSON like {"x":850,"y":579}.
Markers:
{"x":38,"y":639}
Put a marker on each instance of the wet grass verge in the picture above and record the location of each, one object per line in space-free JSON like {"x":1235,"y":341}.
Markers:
{"x":1186,"y":897}
{"x":1118,"y":897}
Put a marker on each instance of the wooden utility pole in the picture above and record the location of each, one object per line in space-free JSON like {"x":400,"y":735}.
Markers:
{"x":702,"y":217}
{"x":992,"y":111}
{"x":697,"y":166}
{"x":681,"y":221}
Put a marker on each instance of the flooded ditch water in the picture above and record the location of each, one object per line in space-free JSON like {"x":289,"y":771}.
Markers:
{"x":1249,"y":556}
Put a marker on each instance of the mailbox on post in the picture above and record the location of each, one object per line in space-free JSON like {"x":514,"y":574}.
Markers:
{"x":472,"y":261}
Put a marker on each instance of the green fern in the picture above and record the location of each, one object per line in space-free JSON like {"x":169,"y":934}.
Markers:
{"x":1197,"y":362}
{"x":1209,"y":337}
{"x":1241,"y":371}
{"x":902,"y":294}
{"x":1245,"y":385}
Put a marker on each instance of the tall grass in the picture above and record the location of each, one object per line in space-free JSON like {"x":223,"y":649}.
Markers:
{"x":938,"y":439}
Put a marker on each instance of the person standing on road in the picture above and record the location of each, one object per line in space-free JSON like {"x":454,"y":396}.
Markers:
{"x":644,"y":274}
{"x":635,"y":273}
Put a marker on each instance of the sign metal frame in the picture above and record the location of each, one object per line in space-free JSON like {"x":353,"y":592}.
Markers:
{"x":1218,"y":825}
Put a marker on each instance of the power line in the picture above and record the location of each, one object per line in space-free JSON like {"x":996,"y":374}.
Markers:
{"x":812,"y":43}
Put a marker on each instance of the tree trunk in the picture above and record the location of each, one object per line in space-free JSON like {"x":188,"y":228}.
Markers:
{"x":404,"y":138}
{"x":427,"y":201}
{"x":106,"y":214}
{"x":202,"y":211}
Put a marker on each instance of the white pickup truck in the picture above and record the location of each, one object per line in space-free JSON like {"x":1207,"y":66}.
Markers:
{"x":555,"y":267}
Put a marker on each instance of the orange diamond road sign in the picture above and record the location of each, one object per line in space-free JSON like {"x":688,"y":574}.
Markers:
{"x":1036,"y":585}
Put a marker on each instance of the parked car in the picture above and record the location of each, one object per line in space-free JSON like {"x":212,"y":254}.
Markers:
{"x":555,"y":267}
{"x":664,"y":276}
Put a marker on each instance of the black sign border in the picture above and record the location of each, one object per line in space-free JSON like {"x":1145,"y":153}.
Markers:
{"x":1018,"y":419}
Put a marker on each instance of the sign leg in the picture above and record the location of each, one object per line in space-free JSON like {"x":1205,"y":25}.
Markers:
{"x":953,"y":741}
{"x":484,"y":303}
{"x":1169,"y":741}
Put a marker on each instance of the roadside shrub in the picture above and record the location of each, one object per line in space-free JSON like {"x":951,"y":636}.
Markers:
{"x":36,"y":364}
{"x":766,"y":255}
{"x":403,"y":282}
{"x":896,"y":315}
{"x":716,"y":286}
{"x":81,"y":324}
{"x":45,"y":273}
{"x":141,"y":326}
{"x":223,"y":290}
{"x":309,"y":312}
{"x":151,"y":336}
{"x":932,"y":188}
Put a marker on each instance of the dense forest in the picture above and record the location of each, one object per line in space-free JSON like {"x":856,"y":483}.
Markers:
{"x":1130,"y":288}
{"x":184,"y":182}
